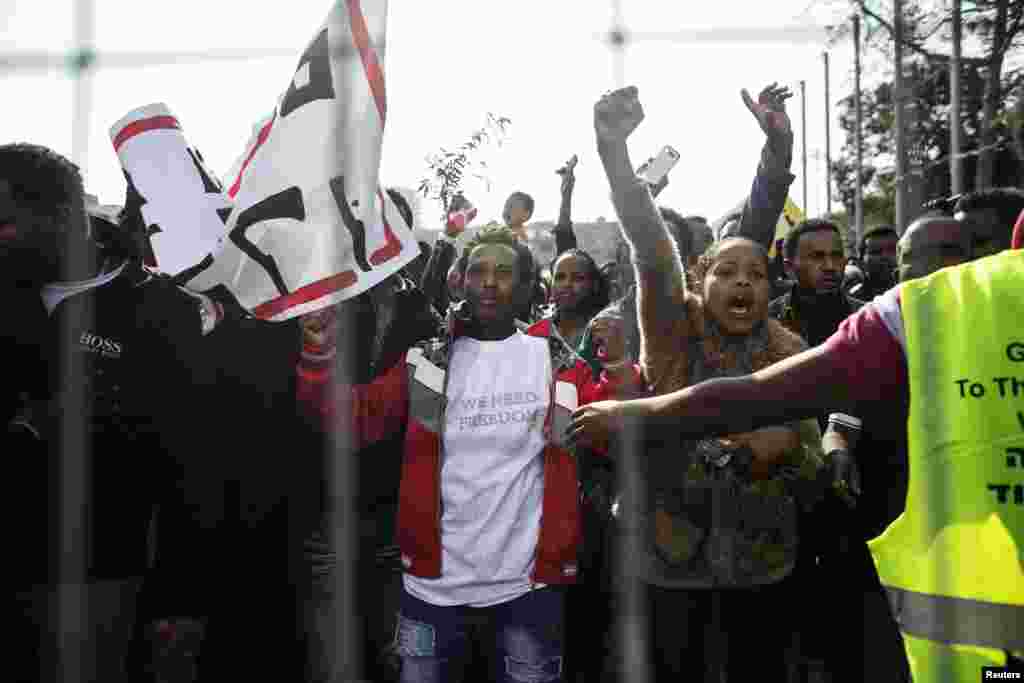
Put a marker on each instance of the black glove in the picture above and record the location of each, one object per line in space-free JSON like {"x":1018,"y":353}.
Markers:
{"x":845,"y":475}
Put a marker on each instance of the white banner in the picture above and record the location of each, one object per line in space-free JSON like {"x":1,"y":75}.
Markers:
{"x":180,"y":201}
{"x":310,"y":225}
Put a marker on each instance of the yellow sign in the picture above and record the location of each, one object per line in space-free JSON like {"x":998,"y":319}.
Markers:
{"x":792,"y":215}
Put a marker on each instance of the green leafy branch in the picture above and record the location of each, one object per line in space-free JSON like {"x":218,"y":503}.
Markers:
{"x":447,"y":169}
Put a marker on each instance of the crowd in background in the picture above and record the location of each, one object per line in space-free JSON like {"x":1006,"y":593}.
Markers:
{"x":188,"y":454}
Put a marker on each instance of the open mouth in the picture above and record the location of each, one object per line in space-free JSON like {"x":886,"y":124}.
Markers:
{"x":600,"y":349}
{"x":739,"y":305}
{"x":8,"y":231}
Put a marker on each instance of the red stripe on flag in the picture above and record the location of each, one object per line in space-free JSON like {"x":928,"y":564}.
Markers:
{"x":374,"y":72}
{"x":260,"y":139}
{"x":392,"y":246}
{"x":305,"y":294}
{"x":143,"y":125}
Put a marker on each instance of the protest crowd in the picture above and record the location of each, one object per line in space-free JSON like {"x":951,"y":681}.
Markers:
{"x":714,"y":457}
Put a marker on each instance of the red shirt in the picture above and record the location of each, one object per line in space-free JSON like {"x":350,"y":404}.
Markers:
{"x":868,"y":352}
{"x":1018,"y":233}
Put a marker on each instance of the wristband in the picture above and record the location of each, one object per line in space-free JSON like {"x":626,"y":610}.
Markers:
{"x":844,"y":420}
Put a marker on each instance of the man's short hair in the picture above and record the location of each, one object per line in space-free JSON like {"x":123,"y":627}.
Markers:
{"x":499,"y":234}
{"x":808,"y":226}
{"x":729,"y":226}
{"x":1007,"y":202}
{"x":679,"y":229}
{"x":701,"y":234}
{"x":877,"y":231}
{"x":526,"y":199}
{"x":44,"y":183}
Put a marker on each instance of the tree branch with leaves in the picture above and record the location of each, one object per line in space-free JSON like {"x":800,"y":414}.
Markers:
{"x":447,"y":169}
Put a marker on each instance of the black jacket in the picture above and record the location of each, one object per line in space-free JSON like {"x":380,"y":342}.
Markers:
{"x":813,"y":318}
{"x":119,"y":397}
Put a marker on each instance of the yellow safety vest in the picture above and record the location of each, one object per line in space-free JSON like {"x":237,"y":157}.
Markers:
{"x":952,"y":563}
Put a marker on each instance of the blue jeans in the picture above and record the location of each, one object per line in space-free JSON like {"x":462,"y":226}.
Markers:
{"x":522,"y":638}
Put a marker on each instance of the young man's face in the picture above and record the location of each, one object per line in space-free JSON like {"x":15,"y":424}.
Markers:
{"x":491,"y":285}
{"x":819,"y":261}
{"x":515,"y":214}
{"x":880,"y":256}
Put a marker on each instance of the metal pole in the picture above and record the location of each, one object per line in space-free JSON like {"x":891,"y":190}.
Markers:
{"x":901,"y":152}
{"x":956,"y":169}
{"x":828,"y":142}
{"x":81,"y":73}
{"x":617,"y":41}
{"x":75,"y":649}
{"x":858,"y":196}
{"x":803,"y":141}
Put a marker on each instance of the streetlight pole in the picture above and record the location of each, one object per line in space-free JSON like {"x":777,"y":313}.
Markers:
{"x":956,"y":169}
{"x":858,"y":196}
{"x":803,"y":140}
{"x":898,"y":101}
{"x":81,"y":63}
{"x":828,"y":142}
{"x":617,"y":41}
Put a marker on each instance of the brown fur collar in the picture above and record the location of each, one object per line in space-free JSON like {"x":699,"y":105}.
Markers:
{"x":768,"y":344}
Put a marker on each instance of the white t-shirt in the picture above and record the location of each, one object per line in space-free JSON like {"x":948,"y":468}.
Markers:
{"x":492,"y":473}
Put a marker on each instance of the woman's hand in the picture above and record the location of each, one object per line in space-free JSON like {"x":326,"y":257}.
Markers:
{"x":770,"y":446}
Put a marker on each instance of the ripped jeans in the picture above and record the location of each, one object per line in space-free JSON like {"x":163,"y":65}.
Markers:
{"x":522,"y":639}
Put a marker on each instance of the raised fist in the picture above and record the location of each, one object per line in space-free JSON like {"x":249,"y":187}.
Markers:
{"x":617,"y":114}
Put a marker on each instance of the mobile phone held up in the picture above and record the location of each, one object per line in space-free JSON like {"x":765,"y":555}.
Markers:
{"x":655,"y":170}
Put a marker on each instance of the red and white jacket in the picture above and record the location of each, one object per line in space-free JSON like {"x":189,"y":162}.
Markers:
{"x":411,"y":394}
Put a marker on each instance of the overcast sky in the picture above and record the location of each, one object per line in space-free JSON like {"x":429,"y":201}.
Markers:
{"x":542,"y":64}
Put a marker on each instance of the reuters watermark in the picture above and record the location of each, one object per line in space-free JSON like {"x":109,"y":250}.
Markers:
{"x":998,"y":673}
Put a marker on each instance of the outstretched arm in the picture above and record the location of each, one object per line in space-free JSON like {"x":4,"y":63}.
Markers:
{"x":661,"y":289}
{"x":793,"y":389}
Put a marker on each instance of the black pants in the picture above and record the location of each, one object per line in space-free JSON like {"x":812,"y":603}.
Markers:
{"x":693,"y":635}
{"x":100,"y":635}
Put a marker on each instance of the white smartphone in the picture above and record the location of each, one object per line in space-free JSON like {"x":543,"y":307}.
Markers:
{"x":657,"y":168}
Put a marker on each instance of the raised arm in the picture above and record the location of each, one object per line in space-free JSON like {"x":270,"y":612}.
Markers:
{"x":661,"y":288}
{"x":772,"y":180}
{"x":565,"y":238}
{"x":367,"y":412}
{"x":434,"y":281}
